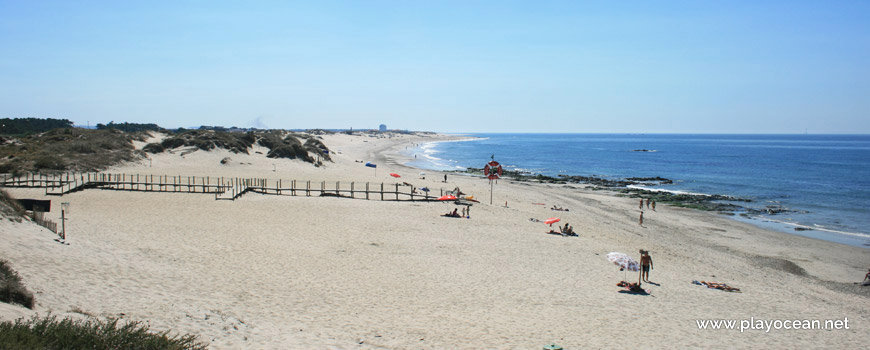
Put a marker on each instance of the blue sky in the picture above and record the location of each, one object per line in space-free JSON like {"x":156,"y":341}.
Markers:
{"x":464,"y":66}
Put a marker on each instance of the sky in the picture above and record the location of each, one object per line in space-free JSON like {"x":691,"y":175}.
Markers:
{"x":464,"y":66}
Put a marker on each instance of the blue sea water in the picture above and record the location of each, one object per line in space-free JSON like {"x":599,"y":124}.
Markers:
{"x":823,"y":179}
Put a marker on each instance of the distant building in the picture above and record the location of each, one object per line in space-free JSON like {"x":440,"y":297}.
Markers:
{"x":383,"y":127}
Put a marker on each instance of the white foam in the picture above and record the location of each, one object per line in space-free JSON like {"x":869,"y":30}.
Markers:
{"x":667,"y":191}
{"x":815,"y":227}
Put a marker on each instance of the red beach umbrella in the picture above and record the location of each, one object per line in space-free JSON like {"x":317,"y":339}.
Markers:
{"x":395,"y":175}
{"x":552,"y":221}
{"x":447,"y":198}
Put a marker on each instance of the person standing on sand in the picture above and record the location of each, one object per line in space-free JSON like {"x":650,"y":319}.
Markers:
{"x":647,"y":203}
{"x":645,"y":264}
{"x":445,"y":177}
{"x":654,"y":205}
{"x":641,"y":218}
{"x":640,"y":206}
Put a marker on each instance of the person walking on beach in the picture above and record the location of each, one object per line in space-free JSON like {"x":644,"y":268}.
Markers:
{"x":647,"y":203}
{"x":654,"y":205}
{"x":445,"y":177}
{"x":640,"y":206}
{"x":645,"y":265}
{"x":640,"y":222}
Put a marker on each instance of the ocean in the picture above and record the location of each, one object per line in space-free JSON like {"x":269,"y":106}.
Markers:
{"x":824,"y":180}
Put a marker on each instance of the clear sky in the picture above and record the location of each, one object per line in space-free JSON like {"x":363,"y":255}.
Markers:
{"x":464,"y":66}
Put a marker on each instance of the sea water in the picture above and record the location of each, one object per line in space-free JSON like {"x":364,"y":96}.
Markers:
{"x":823,"y":180}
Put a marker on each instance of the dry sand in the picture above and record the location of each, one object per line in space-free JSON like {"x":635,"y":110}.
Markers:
{"x":269,"y":272}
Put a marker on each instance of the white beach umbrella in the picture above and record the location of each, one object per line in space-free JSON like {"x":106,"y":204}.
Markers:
{"x":624,"y":262}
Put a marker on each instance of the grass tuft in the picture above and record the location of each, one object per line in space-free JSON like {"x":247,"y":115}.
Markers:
{"x":11,"y":288}
{"x":52,"y":333}
{"x":9,"y":207}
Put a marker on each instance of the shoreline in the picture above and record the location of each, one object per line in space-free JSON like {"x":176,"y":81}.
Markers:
{"x":312,"y":272}
{"x":740,"y":213}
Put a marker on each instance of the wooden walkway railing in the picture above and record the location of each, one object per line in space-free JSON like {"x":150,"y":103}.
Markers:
{"x":223,"y":188}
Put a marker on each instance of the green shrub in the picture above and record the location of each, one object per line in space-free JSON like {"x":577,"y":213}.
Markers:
{"x":81,"y":147}
{"x":49,"y":162}
{"x":153,"y":148}
{"x":51,"y":333}
{"x":11,"y":288}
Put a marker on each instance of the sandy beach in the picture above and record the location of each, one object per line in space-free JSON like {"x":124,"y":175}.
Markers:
{"x":285,"y":272}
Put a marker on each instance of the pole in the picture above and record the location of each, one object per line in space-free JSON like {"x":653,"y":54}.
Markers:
{"x":490,"y":192}
{"x":62,"y":223}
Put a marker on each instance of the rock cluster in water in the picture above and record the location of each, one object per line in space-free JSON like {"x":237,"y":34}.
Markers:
{"x":712,"y":202}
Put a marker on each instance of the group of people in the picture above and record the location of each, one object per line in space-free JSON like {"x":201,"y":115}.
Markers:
{"x":466,"y":213}
{"x":566,"y":230}
{"x":640,"y":206}
{"x":649,"y":202}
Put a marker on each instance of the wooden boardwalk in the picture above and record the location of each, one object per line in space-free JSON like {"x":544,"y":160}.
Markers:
{"x":221,"y":187}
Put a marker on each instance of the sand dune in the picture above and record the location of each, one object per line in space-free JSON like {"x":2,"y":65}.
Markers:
{"x":266,"y":272}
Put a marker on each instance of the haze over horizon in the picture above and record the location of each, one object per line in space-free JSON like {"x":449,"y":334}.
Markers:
{"x":778,"y":67}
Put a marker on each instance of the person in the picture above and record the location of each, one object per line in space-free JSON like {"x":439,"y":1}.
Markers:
{"x":640,"y":222}
{"x":867,"y":276}
{"x":646,"y":264}
{"x":647,"y":203}
{"x":454,"y":213}
{"x":463,"y":212}
{"x":445,"y":177}
{"x":640,"y":206}
{"x":654,"y":205}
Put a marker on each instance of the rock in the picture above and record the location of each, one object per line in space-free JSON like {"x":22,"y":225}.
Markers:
{"x":226,"y":160}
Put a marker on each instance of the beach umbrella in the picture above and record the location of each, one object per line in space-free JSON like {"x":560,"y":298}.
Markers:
{"x":552,"y":221}
{"x":395,"y":175}
{"x":373,"y":165}
{"x":447,"y":198}
{"x":624,"y":262}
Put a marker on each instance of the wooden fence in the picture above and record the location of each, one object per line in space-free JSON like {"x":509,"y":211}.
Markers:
{"x":38,"y":216}
{"x":223,"y":188}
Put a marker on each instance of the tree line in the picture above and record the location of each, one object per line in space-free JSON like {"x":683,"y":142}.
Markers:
{"x":23,"y":126}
